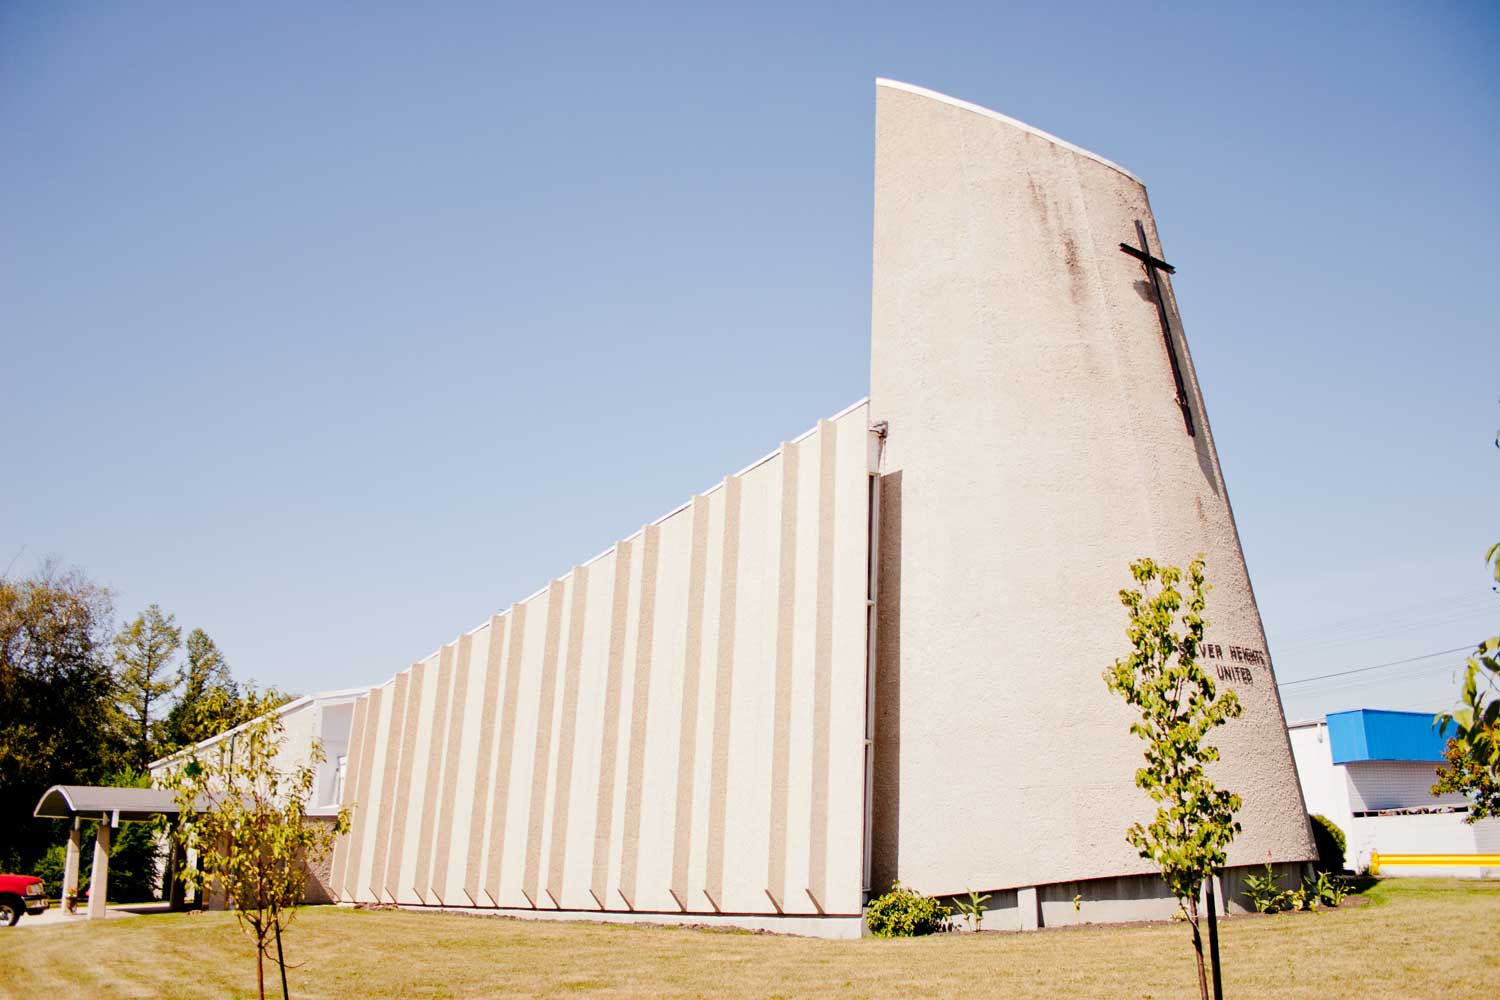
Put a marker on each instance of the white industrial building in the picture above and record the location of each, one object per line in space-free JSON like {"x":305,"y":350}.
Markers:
{"x":1371,"y":772}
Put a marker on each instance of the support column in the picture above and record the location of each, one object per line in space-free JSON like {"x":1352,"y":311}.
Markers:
{"x":99,"y":881}
{"x":1029,"y":908}
{"x":70,"y":861}
{"x":173,"y":886}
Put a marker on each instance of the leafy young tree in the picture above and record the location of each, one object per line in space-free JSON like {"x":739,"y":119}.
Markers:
{"x":244,"y":812}
{"x":54,"y":699}
{"x":144,"y":678}
{"x":1473,"y":754}
{"x":1179,"y":707}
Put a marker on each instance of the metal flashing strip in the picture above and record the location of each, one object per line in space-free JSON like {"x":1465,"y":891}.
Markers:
{"x":1007,"y":119}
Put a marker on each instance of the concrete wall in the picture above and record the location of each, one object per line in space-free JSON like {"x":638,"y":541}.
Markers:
{"x":321,"y":720}
{"x":1035,"y":448}
{"x":674,"y":727}
{"x":1325,"y":789}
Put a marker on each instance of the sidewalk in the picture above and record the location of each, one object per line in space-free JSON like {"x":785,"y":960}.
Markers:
{"x":56,"y":915}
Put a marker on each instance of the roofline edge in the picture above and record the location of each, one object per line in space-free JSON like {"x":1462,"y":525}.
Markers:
{"x":978,"y":109}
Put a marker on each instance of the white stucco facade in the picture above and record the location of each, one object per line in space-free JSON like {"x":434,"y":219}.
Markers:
{"x":877,"y":653}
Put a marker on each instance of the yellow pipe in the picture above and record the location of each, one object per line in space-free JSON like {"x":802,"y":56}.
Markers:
{"x":1378,"y":860}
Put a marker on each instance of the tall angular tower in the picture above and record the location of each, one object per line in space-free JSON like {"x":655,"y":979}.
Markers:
{"x":1045,"y":427}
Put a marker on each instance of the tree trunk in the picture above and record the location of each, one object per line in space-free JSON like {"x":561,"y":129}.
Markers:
{"x":260,"y":969}
{"x":280,"y":958}
{"x":1197,"y":948}
{"x":1213,"y":938}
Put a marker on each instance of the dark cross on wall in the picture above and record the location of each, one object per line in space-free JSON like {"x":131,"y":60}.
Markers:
{"x":1155,"y":265}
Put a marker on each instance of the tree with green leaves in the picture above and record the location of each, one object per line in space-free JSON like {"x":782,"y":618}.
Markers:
{"x":144,"y":679}
{"x":55,"y":700}
{"x":244,"y":811}
{"x":1179,"y":707}
{"x":207,"y":702}
{"x":1473,"y":752}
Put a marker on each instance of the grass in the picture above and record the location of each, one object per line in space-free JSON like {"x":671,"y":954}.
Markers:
{"x":1410,"y":938}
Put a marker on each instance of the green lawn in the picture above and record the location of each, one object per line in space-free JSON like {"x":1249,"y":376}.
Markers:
{"x":1408,"y":938}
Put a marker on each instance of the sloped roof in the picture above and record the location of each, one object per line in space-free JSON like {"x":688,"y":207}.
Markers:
{"x":103,"y":801}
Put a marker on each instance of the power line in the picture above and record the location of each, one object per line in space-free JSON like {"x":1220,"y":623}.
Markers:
{"x":1377,"y":666}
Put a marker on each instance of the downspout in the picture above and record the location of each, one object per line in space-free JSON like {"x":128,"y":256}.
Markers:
{"x":876,"y":457}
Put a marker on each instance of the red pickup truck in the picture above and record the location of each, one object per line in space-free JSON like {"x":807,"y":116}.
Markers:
{"x":21,"y":894}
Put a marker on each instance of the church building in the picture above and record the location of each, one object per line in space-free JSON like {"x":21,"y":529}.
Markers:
{"x":875,"y":654}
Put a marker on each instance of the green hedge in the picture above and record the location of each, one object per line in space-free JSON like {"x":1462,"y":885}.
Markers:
{"x":1329,"y":840}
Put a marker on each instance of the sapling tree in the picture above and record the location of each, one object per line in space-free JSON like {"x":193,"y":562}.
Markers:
{"x":1179,"y":706}
{"x":1473,"y":752}
{"x":244,"y":811}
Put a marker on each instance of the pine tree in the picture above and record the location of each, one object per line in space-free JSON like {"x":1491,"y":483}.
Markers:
{"x":144,"y":679}
{"x":206,"y":706}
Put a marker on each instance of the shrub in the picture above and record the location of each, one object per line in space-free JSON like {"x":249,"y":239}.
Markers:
{"x":1330,"y":842}
{"x":1327,"y":889}
{"x":50,"y":869}
{"x":1266,"y":894}
{"x":904,"y":912}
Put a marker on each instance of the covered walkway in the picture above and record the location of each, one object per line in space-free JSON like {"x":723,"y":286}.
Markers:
{"x":111,"y":806}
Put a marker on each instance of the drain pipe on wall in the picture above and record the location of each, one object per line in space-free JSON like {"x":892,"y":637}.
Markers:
{"x":878,"y":432}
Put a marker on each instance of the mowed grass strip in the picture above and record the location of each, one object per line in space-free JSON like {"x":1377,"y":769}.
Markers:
{"x":1411,"y":938}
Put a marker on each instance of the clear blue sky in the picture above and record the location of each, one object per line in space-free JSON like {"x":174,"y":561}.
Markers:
{"x":334,"y":331}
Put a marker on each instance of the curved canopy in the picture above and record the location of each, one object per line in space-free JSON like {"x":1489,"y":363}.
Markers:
{"x":104,"y":802}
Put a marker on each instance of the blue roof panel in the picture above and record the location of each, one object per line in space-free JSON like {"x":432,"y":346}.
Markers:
{"x":1375,"y":734}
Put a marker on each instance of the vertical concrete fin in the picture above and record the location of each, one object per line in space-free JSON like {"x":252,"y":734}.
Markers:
{"x":380,"y":856}
{"x":610,"y":736}
{"x":718,"y":786}
{"x":494,"y":669}
{"x":781,"y":732}
{"x":500,"y":807}
{"x":640,"y":704}
{"x":822,"y":664}
{"x":687,"y":742}
{"x":432,"y":781}
{"x":363,"y":812}
{"x":458,"y":699}
{"x":567,"y":734}
{"x":400,"y":812}
{"x":542,"y":758}
{"x":356,"y":763}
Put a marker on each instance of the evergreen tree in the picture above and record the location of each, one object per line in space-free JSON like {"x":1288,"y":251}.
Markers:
{"x":209,"y":698}
{"x":144,"y":679}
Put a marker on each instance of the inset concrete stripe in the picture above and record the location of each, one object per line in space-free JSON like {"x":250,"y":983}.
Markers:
{"x":433,"y":778}
{"x":352,"y":767}
{"x":687,"y":739}
{"x":388,"y":785}
{"x":640,"y":703}
{"x":501,"y":807}
{"x":718,"y":782}
{"x":541,"y":761}
{"x":397,"y":851}
{"x":822,"y":665}
{"x":362,"y":810}
{"x":604,"y":811}
{"x":494,"y":667}
{"x":781,"y":726}
{"x":456,"y":713}
{"x":568,"y":725}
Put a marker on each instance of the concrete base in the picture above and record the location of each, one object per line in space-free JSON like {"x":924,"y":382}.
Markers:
{"x":841,"y":927}
{"x":1125,"y":899}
